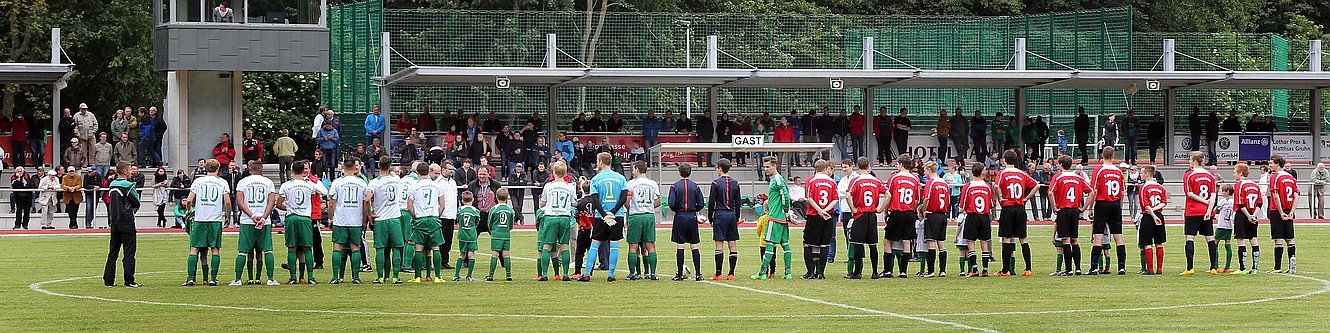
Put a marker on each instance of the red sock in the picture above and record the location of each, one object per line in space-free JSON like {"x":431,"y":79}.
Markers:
{"x":1159,"y":258}
{"x":1149,"y":260}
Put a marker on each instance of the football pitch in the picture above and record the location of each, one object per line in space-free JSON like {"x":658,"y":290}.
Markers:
{"x":53,"y":283}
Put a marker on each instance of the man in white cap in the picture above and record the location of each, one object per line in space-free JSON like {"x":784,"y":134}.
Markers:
{"x":85,"y":128}
{"x":76,"y":156}
{"x":50,"y":190}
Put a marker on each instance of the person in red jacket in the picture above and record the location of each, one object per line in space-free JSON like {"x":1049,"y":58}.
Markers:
{"x":857,"y":125}
{"x":784,"y":133}
{"x":222,"y":152}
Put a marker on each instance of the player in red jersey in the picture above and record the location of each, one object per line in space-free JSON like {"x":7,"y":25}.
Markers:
{"x":820,"y":193}
{"x":1015,"y":188}
{"x":935,"y":204}
{"x":1246,"y":199}
{"x":903,"y":189}
{"x":1283,"y":197}
{"x":1152,"y":236}
{"x":1200,"y":188}
{"x":865,"y":201}
{"x":977,"y":202}
{"x":1106,"y":186}
{"x":1069,"y":190}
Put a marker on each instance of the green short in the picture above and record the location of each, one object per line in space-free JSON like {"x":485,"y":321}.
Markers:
{"x":500,"y":244}
{"x":388,"y":234}
{"x":777,"y":233}
{"x":255,"y":239}
{"x":1223,"y":234}
{"x":405,"y":224}
{"x":641,"y":228}
{"x":427,"y":232}
{"x":299,"y":231}
{"x":554,"y":230}
{"x":465,"y":246}
{"x":348,"y":235}
{"x":205,"y":234}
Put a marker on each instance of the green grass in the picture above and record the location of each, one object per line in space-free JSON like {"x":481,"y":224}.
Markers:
{"x":1101,"y":303}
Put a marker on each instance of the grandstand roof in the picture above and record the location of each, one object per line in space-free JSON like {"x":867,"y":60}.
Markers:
{"x":33,"y":73}
{"x":853,"y":78}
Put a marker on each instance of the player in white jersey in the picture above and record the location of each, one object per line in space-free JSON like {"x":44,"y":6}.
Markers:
{"x":295,"y":197}
{"x":349,"y":211}
{"x":448,"y":218}
{"x":645,"y":197}
{"x":209,"y":198}
{"x":385,"y":211}
{"x":408,"y":178}
{"x":556,"y":201}
{"x":256,"y":196}
{"x":425,"y":203}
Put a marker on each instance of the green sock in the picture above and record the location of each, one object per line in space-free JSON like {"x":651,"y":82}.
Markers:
{"x":193,"y":266}
{"x":416,"y":260}
{"x":396,"y":261}
{"x":508,"y":266}
{"x":1059,"y":265}
{"x":240,"y":266}
{"x":268,"y":263}
{"x":249,"y":263}
{"x":382,"y":272}
{"x":543,"y":262}
{"x":564,"y":257}
{"x":470,"y":266}
{"x":768,"y":252}
{"x":457,"y":269}
{"x":1228,"y":256}
{"x":437,"y":263}
{"x":651,"y":263}
{"x":634,"y":263}
{"x":338,"y":264}
{"x":355,"y":264}
{"x":849,"y":262}
{"x":427,"y":260}
{"x":216,"y":263}
{"x":309,"y":263}
{"x":789,"y":257}
{"x":409,"y":255}
{"x":494,"y":263}
{"x":1142,"y":252}
{"x":291,"y":262}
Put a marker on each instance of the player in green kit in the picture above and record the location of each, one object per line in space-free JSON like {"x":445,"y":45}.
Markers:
{"x":556,"y":201}
{"x":295,"y":198}
{"x":501,"y":225}
{"x":778,"y":228}
{"x":425,"y":204}
{"x":256,"y":196}
{"x":642,"y":224}
{"x":209,"y":200}
{"x":468,"y":218}
{"x":385,"y":213}
{"x":348,"y":194}
{"x":408,"y":178}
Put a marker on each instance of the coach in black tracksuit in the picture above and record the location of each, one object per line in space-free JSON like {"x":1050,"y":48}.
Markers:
{"x":120,"y":210}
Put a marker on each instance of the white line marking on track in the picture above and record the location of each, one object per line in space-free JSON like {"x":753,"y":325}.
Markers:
{"x":847,"y":306}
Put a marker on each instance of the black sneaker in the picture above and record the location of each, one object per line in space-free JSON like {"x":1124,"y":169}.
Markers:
{"x":447,"y":266}
{"x":489,"y":278}
{"x":633,"y":277}
{"x":291,"y":281}
{"x":212,"y":283}
{"x":609,"y":279}
{"x":820,"y":277}
{"x":335,"y":281}
{"x":1122,"y":272}
{"x":677,"y":277}
{"x":508,"y":278}
{"x":355,"y":281}
{"x":311,"y":281}
{"x":653,"y":277}
{"x":852,"y":277}
{"x":188,"y":283}
{"x":806,"y":276}
{"x":697,"y":277}
{"x":285,"y":267}
{"x":585,"y":278}
{"x":1092,"y":273}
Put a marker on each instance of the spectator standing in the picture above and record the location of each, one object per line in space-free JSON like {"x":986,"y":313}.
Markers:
{"x":1195,"y":128}
{"x":565,"y":147}
{"x":1155,"y":136}
{"x":101,"y":154}
{"x":160,"y":194}
{"x":1212,"y":137}
{"x":180,"y":190}
{"x":73,"y":186}
{"x":840,"y":136}
{"x":809,"y":134}
{"x":999,"y":133}
{"x":446,"y":121}
{"x":375,"y":124}
{"x":596,"y":124}
{"x":681,"y":125}
{"x":796,"y":123}
{"x":858,"y":124}
{"x":22,"y":198}
{"x":224,"y":152}
{"x":425,"y":122}
{"x":784,"y":133}
{"x":579,"y":123}
{"x":706,"y":130}
{"x":121,"y":124}
{"x":37,"y":127}
{"x":1231,"y":123}
{"x":1082,"y":128}
{"x":85,"y":128}
{"x":252,"y":149}
{"x":540,"y":153}
{"x":92,"y":193}
{"x":651,"y":127}
{"x":724,"y":132}
{"x":222,"y":14}
{"x":1040,"y":206}
{"x":328,"y":141}
{"x":19,"y":140}
{"x":404,"y":123}
{"x":286,"y":149}
{"x":151,"y":129}
{"x":615,"y":124}
{"x":1110,"y":135}
{"x":66,"y":125}
{"x":1320,"y":177}
{"x":466,"y":174}
{"x":492,"y":124}
{"x":518,"y":180}
{"x":960,"y":136}
{"x":47,"y":201}
{"x":901,"y":134}
{"x":132,"y":124}
{"x":1130,"y":126}
{"x":517,"y":151}
{"x":943,"y":133}
{"x":1041,"y":137}
{"x":75,"y":155}
{"x":535,"y":120}
{"x":483,"y":188}
{"x":538,"y":179}
{"x":978,"y":133}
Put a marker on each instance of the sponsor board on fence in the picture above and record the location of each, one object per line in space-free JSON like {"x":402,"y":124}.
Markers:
{"x":1294,"y":148}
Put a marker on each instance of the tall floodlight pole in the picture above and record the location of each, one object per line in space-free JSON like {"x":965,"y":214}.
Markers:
{"x":688,"y":63}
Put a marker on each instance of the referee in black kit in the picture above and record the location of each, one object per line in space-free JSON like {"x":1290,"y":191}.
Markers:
{"x":120,"y":211}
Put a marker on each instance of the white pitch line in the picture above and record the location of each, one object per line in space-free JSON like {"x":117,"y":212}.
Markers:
{"x":847,"y":306}
{"x":1325,"y":287}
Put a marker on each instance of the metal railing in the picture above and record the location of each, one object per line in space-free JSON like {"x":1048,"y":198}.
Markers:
{"x":241,"y":12}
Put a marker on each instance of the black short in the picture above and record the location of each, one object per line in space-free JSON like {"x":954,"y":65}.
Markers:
{"x":862,"y":229}
{"x":1197,"y":225}
{"x":1279,"y":227}
{"x":1011,"y":222}
{"x":819,"y":231}
{"x":1150,"y":233}
{"x":900,"y":225}
{"x":978,"y":227}
{"x":684,"y":230}
{"x":483,"y":227}
{"x":724,"y":226}
{"x":935,"y":227}
{"x":1107,"y":216}
{"x":601,"y":232}
{"x":1243,"y":228}
{"x":1068,"y":223}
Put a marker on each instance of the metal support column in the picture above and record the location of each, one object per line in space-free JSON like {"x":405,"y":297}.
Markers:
{"x":1019,"y":64}
{"x":713,"y":93}
{"x":1170,"y":98}
{"x":1314,"y":101}
{"x":385,"y":98}
{"x":551,"y":93}
{"x":869,"y":94}
{"x":54,"y":154}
